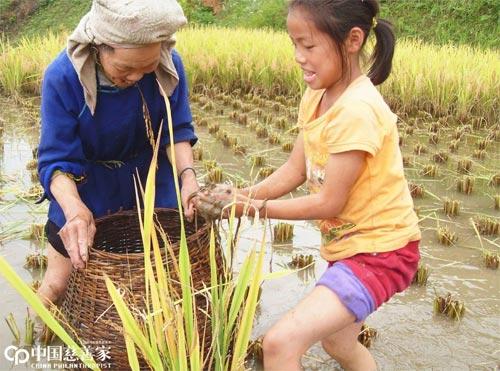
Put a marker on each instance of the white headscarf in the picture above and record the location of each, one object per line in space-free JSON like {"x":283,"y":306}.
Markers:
{"x":125,"y":23}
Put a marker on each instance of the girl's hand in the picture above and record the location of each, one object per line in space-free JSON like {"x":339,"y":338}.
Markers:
{"x":78,"y":234}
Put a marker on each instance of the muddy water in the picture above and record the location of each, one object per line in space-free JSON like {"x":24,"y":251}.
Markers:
{"x":410,"y":335}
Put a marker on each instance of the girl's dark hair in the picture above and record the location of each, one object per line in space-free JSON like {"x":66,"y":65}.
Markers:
{"x":337,"y":17}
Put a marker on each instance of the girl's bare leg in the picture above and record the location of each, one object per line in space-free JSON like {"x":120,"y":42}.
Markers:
{"x":316,"y":317}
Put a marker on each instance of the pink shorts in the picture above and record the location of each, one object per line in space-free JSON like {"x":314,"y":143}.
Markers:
{"x":363,"y":282}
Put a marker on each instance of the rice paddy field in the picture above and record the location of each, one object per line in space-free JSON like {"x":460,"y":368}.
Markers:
{"x":244,"y":95}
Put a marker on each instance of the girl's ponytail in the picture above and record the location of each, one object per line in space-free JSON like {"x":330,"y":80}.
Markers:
{"x":383,"y":52}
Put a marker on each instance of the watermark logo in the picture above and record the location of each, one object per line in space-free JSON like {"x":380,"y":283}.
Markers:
{"x":58,"y":356}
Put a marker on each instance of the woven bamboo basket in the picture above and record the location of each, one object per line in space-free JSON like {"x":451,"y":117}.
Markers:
{"x":118,"y":253}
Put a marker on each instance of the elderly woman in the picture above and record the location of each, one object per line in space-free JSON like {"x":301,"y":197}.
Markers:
{"x":101,"y":111}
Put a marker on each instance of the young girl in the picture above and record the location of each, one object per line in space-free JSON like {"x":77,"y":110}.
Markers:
{"x":348,"y":153}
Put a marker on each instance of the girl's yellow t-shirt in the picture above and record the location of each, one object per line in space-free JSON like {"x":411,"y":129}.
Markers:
{"x":378,"y":215}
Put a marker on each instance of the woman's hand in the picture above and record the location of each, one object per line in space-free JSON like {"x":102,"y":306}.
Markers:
{"x":78,"y":234}
{"x":189,"y":186}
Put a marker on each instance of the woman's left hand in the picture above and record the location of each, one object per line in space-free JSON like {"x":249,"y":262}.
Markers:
{"x":189,"y":185}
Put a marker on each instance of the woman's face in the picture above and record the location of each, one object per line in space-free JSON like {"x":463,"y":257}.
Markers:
{"x":125,"y":66}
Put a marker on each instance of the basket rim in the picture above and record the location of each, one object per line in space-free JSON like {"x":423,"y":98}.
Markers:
{"x":202,"y":229}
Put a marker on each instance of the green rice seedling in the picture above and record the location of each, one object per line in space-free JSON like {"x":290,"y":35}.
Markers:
{"x":419,"y":149}
{"x":198,"y":154}
{"x":429,"y":170}
{"x":215,"y":175}
{"x":287,"y":147}
{"x":47,"y":336}
{"x":440,"y":157}
{"x":255,"y":349}
{"x":491,"y":259}
{"x":422,"y":275}
{"x":257,"y":160}
{"x":483,"y":144}
{"x":237,"y":104}
{"x":458,"y":134}
{"x":416,"y":190}
{"x":408,"y":161}
{"x":11,"y":323}
{"x":264,"y":172}
{"x":213,"y":128}
{"x":45,"y":314}
{"x":478,"y":123}
{"x":446,"y":237}
{"x":261,"y":131}
{"x":367,"y":335}
{"x":301,"y":261}
{"x":252,"y":125}
{"x":36,"y":260}
{"x":239,"y":149}
{"x":402,"y":139}
{"x":464,"y":166}
{"x":281,"y":122}
{"x":274,"y":138}
{"x":486,"y":225}
{"x":454,"y":144}
{"x":242,"y":119}
{"x":494,"y":134}
{"x":434,"y":127}
{"x":434,"y":138}
{"x":465,"y":185}
{"x":37,"y":232}
{"x":283,"y":232}
{"x":209,"y":106}
{"x":202,"y":122}
{"x":451,"y":207}
{"x":209,"y":164}
{"x":494,"y":180}
{"x":34,"y":176}
{"x":32,"y":164}
{"x":496,"y":200}
{"x":446,"y":305}
{"x":479,"y":154}
{"x":268,"y":119}
{"x":29,"y":330}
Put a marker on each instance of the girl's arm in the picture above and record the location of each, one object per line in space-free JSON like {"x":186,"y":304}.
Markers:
{"x":285,"y":179}
{"x":341,"y":172}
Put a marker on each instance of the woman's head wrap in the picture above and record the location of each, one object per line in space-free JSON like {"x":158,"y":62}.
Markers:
{"x":126,"y":24}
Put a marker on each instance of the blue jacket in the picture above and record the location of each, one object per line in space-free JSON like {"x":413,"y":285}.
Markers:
{"x":107,"y":149}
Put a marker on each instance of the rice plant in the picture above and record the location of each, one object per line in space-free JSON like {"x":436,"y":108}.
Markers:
{"x":422,"y":275}
{"x":451,"y":207}
{"x":465,"y":185}
{"x":448,"y":306}
{"x":446,"y":237}
{"x":367,"y":335}
{"x":283,"y":232}
{"x":491,"y":260}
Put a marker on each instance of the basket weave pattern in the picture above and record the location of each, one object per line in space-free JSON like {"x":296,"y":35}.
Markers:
{"x":118,"y":253}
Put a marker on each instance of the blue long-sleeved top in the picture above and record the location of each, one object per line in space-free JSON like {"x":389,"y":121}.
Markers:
{"x":107,"y":149}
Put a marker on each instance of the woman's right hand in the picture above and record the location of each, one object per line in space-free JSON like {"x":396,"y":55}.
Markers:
{"x":78,"y":234}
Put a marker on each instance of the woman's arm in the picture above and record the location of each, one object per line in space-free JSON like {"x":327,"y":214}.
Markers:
{"x":341,"y":172}
{"x":285,"y":179}
{"x":78,"y":232}
{"x":183,"y":161}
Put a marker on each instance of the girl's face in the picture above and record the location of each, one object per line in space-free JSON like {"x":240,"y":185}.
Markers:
{"x":315,"y":52}
{"x":125,"y":66}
